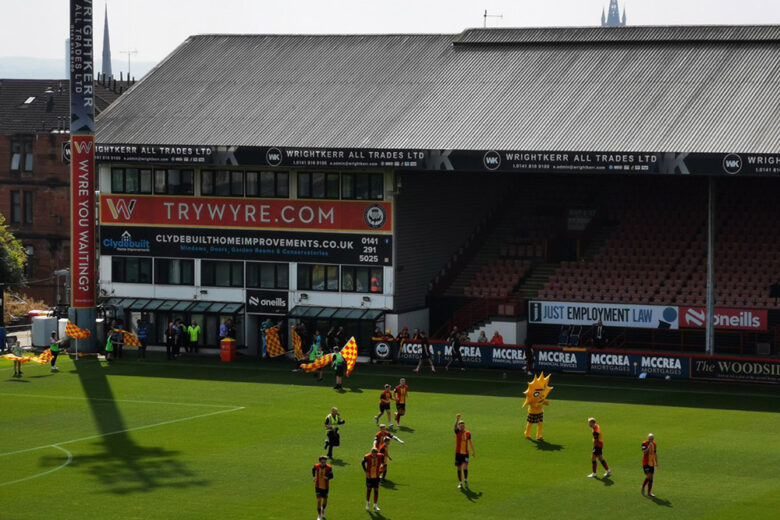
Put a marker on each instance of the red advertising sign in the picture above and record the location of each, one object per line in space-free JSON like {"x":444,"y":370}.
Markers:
{"x":725,"y":319}
{"x":267,"y":214}
{"x":82,"y":221}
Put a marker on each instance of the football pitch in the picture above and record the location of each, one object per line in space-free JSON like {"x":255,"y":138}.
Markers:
{"x":197,"y":438}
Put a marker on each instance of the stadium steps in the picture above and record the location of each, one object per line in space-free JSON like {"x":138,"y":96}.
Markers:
{"x":489,"y":251}
{"x":536,"y":279}
{"x":597,"y":241}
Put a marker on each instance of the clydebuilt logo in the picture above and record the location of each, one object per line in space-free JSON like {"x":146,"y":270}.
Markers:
{"x":121,"y":207}
{"x":732,"y":164}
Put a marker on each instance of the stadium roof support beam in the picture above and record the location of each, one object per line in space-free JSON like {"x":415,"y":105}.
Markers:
{"x":710,"y":330}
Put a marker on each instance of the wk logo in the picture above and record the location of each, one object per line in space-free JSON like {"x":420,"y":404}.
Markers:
{"x":82,"y":147}
{"x":732,"y":164}
{"x":121,"y":207}
{"x":273,"y":157}
{"x":491,"y":160}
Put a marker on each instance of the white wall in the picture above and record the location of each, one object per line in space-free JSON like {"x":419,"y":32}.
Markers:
{"x":419,"y":319}
{"x":514,"y":332}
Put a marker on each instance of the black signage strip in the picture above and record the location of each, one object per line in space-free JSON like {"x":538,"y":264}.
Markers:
{"x":236,"y":244}
{"x":626,"y":163}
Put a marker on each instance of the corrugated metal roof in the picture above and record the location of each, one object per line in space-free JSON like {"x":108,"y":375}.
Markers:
{"x":719,"y":95}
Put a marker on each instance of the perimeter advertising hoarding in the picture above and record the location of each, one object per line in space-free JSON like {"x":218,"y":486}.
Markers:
{"x":621,"y":363}
{"x":611,"y":314}
{"x":629,"y":163}
{"x":552,"y":359}
{"x":756,"y":320}
{"x":237,"y":244}
{"x":735,"y":369}
{"x":474,"y":355}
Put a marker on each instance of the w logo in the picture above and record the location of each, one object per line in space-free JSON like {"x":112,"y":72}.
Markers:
{"x":121,"y":207}
{"x":82,"y":146}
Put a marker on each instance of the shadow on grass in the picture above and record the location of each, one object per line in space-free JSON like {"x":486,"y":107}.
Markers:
{"x":473,"y":496}
{"x":338,"y":462}
{"x":661,"y":502}
{"x":607,"y":481}
{"x":406,"y":429}
{"x":17,"y":381}
{"x":574,"y":387}
{"x":547,"y":446}
{"x":123,"y":467}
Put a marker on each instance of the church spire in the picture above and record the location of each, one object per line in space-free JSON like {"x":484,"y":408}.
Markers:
{"x":106,"y":48}
{"x":613,"y":16}
{"x":603,"y":17}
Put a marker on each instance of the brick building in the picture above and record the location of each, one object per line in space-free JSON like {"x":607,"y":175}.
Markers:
{"x":34,"y":176}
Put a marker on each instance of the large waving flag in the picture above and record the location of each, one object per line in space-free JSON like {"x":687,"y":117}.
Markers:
{"x":296,"y":341}
{"x":349,"y":352}
{"x":130,"y":339}
{"x":14,"y":357}
{"x":272,"y":343}
{"x":72,"y":330}
{"x":42,"y":358}
{"x":320,"y":362}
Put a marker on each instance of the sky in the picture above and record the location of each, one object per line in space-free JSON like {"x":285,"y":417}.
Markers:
{"x":154,"y":28}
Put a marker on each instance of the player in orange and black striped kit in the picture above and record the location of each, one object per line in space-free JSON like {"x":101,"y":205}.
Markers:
{"x":322,"y":473}
{"x":598,"y":446}
{"x":400,"y":393}
{"x":462,"y":445}
{"x":384,"y":404}
{"x":373,"y":464}
{"x":649,"y":463}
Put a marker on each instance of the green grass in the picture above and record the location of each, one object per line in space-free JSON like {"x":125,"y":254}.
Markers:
{"x":200,"y":439}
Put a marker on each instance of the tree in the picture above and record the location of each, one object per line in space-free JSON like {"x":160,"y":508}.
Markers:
{"x":13,"y":257}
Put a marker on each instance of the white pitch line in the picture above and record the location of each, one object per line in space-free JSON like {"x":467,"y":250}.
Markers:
{"x":25,"y":479}
{"x":136,"y":401}
{"x":126,"y":430}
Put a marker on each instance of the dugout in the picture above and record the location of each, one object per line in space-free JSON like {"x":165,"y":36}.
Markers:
{"x":450,"y":171}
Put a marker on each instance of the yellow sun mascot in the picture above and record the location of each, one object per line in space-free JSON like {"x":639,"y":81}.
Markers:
{"x":535,"y":398}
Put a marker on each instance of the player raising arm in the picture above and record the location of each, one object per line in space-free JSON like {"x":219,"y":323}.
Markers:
{"x":649,"y":463}
{"x":463,"y":446}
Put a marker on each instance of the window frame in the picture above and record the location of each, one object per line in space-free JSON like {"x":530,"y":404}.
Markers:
{"x":122,"y":186}
{"x":119,"y":266}
{"x":354,"y":271}
{"x":281,"y":275}
{"x":159,"y":262}
{"x":280,"y":179}
{"x":209,"y":186}
{"x":305,"y":276}
{"x":27,"y":210}
{"x":15,"y":213}
{"x":372,"y":181}
{"x":209,"y":278}
{"x":165,"y":174}
{"x":306,"y":185}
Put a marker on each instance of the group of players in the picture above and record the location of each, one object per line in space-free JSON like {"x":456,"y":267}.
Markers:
{"x":375,"y":462}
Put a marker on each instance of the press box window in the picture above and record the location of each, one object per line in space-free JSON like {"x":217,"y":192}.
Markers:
{"x":125,"y":269}
{"x":318,"y":185}
{"x":222,"y":183}
{"x":361,"y":279}
{"x":268,"y":184}
{"x":222,"y":274}
{"x":267,"y":276}
{"x":318,"y":277}
{"x":131,"y":180}
{"x":174,"y":271}
{"x":173,"y":182}
{"x":362,"y":186}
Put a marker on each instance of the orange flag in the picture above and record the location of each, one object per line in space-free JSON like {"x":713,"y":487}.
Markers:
{"x":320,"y":362}
{"x":130,"y":339}
{"x":14,"y":357}
{"x":349,"y":352}
{"x":43,"y":358}
{"x":296,"y":341}
{"x":72,"y":330}
{"x":272,"y":343}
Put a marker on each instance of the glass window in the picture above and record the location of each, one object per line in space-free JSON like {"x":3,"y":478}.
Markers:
{"x":267,"y":184}
{"x":318,"y":185}
{"x":237,"y":183}
{"x":117,"y":180}
{"x":267,"y":276}
{"x":304,"y":185}
{"x":362,"y":186}
{"x":16,"y":155}
{"x":16,"y":207}
{"x":127,"y":269}
{"x":222,"y":183}
{"x":160,"y":182}
{"x":207,"y":182}
{"x":282,"y":184}
{"x":361,"y":279}
{"x":132,"y":181}
{"x":28,"y":157}
{"x":318,"y":277}
{"x":174,"y":271}
{"x":146,"y":181}
{"x":28,"y":207}
{"x":252,"y":184}
{"x":222,"y":274}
